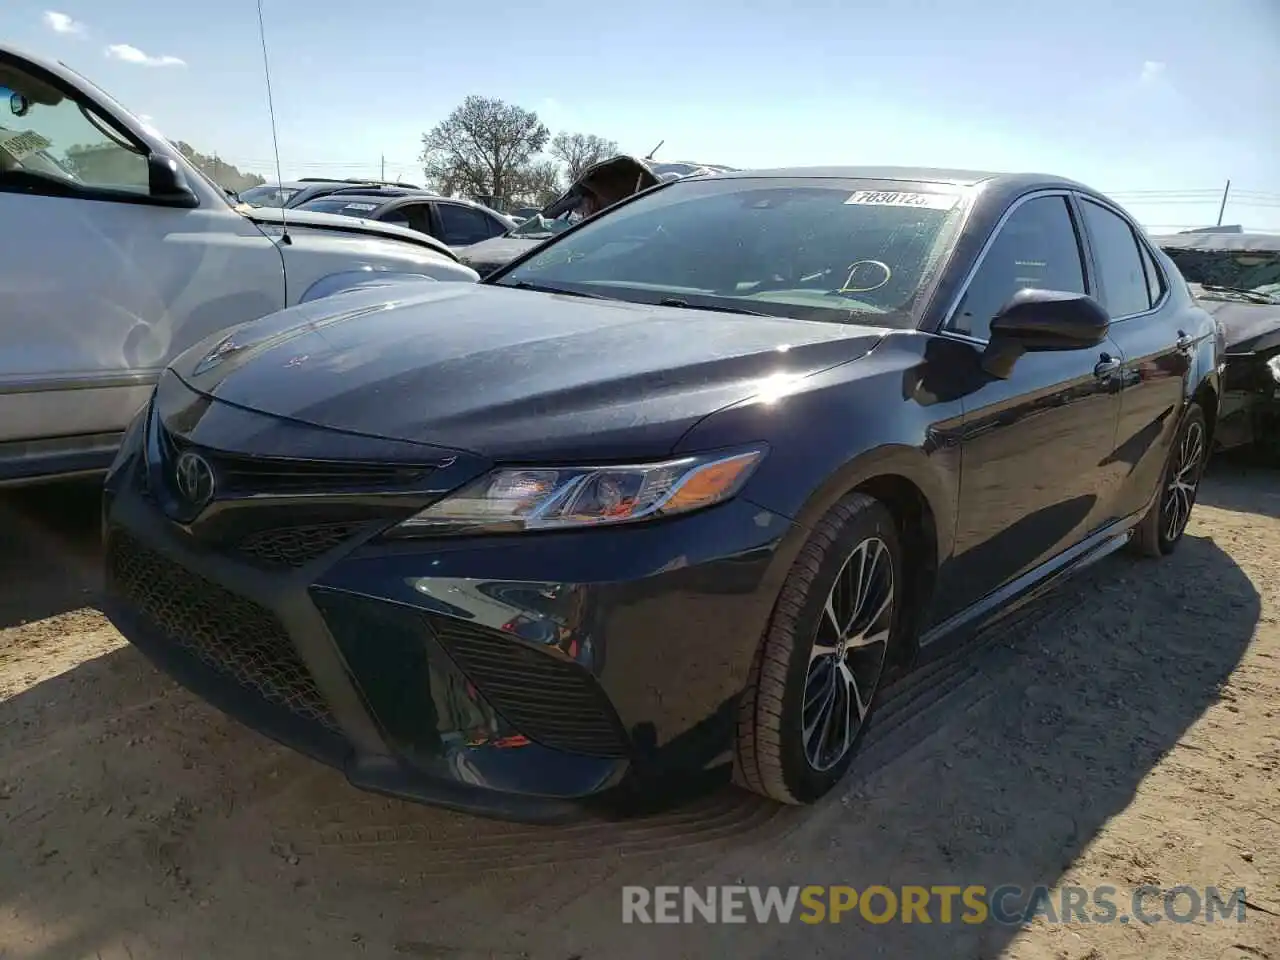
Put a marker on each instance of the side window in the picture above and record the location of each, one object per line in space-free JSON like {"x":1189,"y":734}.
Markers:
{"x":496,"y":227}
{"x":398,"y":217}
{"x":461,"y":225}
{"x":45,"y":135}
{"x":1115,"y":251}
{"x":1037,"y":247}
{"x":1155,"y":279}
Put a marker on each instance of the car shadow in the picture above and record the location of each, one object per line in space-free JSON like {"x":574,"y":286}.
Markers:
{"x":145,"y":823}
{"x":49,"y":550}
{"x":1237,"y":481}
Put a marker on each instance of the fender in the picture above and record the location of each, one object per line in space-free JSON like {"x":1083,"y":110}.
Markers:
{"x":841,"y":429}
{"x":359,"y":280}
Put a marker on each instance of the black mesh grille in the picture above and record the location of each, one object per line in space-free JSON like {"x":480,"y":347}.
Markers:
{"x":227,"y":632}
{"x":283,"y":547}
{"x":550,"y":700}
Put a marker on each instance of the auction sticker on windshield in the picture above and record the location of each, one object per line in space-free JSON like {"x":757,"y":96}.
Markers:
{"x":888,"y":198}
{"x":22,"y":145}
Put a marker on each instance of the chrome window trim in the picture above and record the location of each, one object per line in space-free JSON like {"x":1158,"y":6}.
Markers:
{"x":944,"y":327}
{"x":1140,"y":239}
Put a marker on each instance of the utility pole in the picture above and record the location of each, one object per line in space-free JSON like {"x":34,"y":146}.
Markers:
{"x":384,"y":171}
{"x":1222,"y":209}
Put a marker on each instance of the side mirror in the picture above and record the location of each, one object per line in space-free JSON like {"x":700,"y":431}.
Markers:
{"x":167,"y":182}
{"x":1040,"y":320}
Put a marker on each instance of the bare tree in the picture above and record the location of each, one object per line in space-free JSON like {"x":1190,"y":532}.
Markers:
{"x":537,"y":184}
{"x":482,"y":147}
{"x":580,"y":150}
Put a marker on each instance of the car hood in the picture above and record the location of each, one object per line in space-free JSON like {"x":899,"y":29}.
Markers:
{"x":1249,"y":327}
{"x":336,"y":223}
{"x":488,"y":255}
{"x":510,"y":374}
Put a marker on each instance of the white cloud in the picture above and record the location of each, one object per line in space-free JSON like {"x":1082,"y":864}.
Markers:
{"x":1152,"y":70}
{"x":61,"y":23}
{"x":122,"y":51}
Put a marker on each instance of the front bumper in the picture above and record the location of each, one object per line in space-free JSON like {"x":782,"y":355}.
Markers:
{"x":532,"y":677}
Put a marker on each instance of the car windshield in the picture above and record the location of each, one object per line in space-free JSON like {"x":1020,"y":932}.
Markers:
{"x":1224,"y":273}
{"x":835,"y":250}
{"x":346,"y":206}
{"x":267,"y":195}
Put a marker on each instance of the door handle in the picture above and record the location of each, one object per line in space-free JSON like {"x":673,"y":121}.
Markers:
{"x":1107,"y":366}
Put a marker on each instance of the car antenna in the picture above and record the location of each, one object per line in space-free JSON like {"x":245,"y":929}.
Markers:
{"x":649,"y":156}
{"x":271,"y":109}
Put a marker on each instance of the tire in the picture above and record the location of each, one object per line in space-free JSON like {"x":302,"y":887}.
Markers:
{"x":773,"y":757}
{"x":1161,"y":530}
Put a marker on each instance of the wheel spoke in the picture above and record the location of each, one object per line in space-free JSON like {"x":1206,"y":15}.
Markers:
{"x":854,"y":694}
{"x":865,"y":640}
{"x":846,"y":656}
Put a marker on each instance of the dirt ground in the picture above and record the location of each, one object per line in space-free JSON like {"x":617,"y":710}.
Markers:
{"x":1127,"y":734}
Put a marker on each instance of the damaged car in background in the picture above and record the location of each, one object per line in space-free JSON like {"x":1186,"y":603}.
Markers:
{"x":1236,"y":277}
{"x":601,"y":185}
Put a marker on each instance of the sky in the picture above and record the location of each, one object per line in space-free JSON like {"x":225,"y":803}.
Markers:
{"x":1156,"y":102}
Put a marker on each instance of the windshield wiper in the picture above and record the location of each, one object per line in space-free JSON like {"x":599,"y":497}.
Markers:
{"x":686,"y":305}
{"x":543,"y":288}
{"x":1253,"y":295}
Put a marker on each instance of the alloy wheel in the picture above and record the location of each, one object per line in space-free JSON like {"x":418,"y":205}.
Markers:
{"x":848,"y":653}
{"x":1184,"y":478}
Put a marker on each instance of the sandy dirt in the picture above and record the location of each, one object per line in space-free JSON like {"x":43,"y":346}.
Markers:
{"x":1126,"y":733}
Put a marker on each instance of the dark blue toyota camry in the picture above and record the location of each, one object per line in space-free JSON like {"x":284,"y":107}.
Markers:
{"x":668,"y":496}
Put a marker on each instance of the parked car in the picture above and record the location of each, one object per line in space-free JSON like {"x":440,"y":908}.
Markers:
{"x":297,"y":192}
{"x":1236,"y":277}
{"x":128,"y":255}
{"x":706,"y":449}
{"x":600,"y":186}
{"x":456,"y":223}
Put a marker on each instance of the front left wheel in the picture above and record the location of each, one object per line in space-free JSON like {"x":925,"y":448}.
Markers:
{"x":822,"y":657}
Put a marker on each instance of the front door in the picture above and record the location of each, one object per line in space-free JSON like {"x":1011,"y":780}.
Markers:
{"x":100,"y":285}
{"x":1034,"y":447}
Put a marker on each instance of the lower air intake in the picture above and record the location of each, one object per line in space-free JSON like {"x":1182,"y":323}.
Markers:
{"x":225,"y":631}
{"x":548,"y":699}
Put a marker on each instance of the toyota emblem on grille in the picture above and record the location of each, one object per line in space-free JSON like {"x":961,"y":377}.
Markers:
{"x":194,"y":479}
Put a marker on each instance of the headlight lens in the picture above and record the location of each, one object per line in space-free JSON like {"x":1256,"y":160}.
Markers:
{"x":1274,"y":366}
{"x":513,"y":499}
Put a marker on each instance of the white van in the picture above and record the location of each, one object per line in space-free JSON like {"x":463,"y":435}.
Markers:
{"x":116,"y":254}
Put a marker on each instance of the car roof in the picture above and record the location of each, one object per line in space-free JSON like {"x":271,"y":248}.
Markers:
{"x":959,"y":178}
{"x":1237,"y":242}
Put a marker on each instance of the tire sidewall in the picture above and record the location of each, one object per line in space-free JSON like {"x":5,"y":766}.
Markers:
{"x":804,"y":782}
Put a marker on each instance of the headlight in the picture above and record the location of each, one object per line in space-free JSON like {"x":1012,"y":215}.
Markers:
{"x":1274,"y":366}
{"x":513,"y":499}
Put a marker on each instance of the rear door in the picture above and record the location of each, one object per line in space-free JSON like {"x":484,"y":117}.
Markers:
{"x":1157,"y":355}
{"x":1034,"y":447}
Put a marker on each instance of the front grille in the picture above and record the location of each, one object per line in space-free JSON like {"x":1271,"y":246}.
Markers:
{"x":280,"y":476}
{"x":234,"y":636}
{"x":548,"y":699}
{"x":285,"y":547}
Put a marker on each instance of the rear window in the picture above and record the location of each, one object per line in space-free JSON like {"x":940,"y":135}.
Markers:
{"x":347,"y":207}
